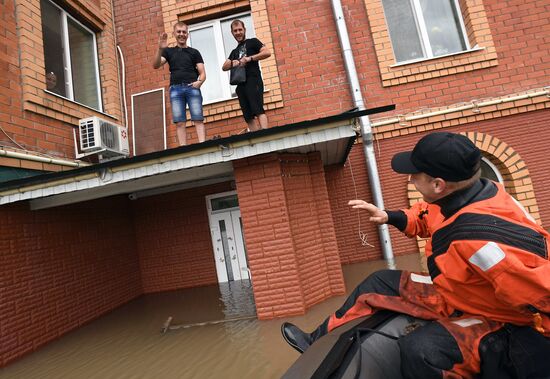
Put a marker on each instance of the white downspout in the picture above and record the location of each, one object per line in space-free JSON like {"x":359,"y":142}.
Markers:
{"x":366,"y":130}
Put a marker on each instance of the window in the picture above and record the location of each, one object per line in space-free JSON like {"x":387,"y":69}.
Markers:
{"x":224,"y":203}
{"x":423,"y":29}
{"x":70,"y":57}
{"x":217,"y":34}
{"x":490,"y":171}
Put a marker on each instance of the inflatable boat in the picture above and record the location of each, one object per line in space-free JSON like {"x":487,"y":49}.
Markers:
{"x":364,"y":348}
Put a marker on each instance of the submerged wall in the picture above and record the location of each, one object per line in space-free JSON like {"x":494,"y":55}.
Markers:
{"x":61,"y":268}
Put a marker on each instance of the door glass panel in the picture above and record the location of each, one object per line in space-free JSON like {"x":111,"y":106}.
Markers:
{"x":225,"y":202}
{"x":226,"y":253}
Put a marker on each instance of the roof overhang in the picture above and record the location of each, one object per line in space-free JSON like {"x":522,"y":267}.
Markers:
{"x":188,"y":166}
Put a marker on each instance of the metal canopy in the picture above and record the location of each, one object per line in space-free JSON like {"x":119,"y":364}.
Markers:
{"x":185,"y":167}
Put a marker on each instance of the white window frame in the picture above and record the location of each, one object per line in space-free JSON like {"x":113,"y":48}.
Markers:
{"x":67,"y":59}
{"x":228,"y":90}
{"x":218,"y":195}
{"x":424,"y":38}
{"x":494,"y":168}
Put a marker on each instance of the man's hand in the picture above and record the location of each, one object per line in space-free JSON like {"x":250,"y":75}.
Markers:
{"x":196,"y":84}
{"x":244,"y":60}
{"x":163,"y":41}
{"x":159,"y":60}
{"x":377,"y":216}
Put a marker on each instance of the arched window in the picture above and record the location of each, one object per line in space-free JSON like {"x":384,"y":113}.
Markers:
{"x":490,"y":171}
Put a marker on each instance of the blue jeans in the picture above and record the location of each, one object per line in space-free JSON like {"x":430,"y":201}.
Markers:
{"x":182,"y":95}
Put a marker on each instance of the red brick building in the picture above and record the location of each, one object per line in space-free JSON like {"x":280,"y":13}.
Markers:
{"x":87,"y":237}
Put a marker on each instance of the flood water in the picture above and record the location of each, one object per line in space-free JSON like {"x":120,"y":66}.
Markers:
{"x":128,"y":343}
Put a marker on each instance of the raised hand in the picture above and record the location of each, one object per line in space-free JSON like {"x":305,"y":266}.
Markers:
{"x":163,"y":41}
{"x":377,"y":215}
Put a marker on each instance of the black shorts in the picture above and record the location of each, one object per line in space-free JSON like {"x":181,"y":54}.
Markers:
{"x":251,"y":97}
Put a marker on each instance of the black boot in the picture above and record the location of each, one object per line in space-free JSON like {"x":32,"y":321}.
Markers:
{"x":295,"y":337}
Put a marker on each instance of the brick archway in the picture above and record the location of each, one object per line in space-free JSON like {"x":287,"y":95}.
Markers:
{"x":515,"y":175}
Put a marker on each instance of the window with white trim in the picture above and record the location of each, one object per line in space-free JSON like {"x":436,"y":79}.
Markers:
{"x":490,"y":171}
{"x":70,"y":57}
{"x":215,"y":42}
{"x":423,"y":29}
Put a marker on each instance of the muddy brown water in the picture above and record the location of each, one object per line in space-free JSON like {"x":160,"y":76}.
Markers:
{"x":128,"y":344}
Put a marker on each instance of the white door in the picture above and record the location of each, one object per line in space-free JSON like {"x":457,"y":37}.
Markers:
{"x":228,"y":243}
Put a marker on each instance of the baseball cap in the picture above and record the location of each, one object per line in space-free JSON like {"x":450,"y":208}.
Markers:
{"x":444,"y":155}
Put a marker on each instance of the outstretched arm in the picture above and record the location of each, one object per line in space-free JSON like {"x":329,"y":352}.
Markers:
{"x":411,"y":221}
{"x":377,"y":215}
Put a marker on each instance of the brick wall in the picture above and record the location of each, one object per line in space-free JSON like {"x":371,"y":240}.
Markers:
{"x":138,"y":31}
{"x":479,"y":35}
{"x":321,"y":204}
{"x":62,"y":268}
{"x":173,"y":239}
{"x":521,"y":59}
{"x":310,"y":64}
{"x":310,"y":67}
{"x":290,"y":243}
{"x":307,"y":45}
{"x":138,"y":27}
{"x":32,"y":119}
{"x":509,"y":130}
{"x":25,"y":128}
{"x":312,"y":227}
{"x":31,"y":56}
{"x":351,"y":182}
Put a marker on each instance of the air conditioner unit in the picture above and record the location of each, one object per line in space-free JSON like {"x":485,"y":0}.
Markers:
{"x":98,"y":136}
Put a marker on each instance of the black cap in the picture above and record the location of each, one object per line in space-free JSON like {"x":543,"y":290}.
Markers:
{"x":444,"y":155}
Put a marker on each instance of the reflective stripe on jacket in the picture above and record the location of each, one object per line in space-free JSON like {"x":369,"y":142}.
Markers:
{"x":486,"y":255}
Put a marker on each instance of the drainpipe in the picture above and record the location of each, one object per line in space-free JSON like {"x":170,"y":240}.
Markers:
{"x":36,"y":158}
{"x":366,"y":130}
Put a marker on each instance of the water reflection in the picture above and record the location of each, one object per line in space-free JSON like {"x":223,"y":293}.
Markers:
{"x":237,"y":298}
{"x":128,"y":343}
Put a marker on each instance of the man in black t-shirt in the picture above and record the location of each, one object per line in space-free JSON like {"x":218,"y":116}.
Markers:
{"x":251,"y":93}
{"x":186,"y":77}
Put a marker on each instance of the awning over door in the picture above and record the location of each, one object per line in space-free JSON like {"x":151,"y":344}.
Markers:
{"x":187,"y":166}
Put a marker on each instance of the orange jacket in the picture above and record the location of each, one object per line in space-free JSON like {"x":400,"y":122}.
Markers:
{"x":486,"y":255}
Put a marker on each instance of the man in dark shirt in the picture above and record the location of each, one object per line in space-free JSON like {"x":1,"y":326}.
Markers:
{"x":186,"y":77}
{"x":251,"y":93}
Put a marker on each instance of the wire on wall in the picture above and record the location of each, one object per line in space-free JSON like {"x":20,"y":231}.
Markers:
{"x":362,"y":235}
